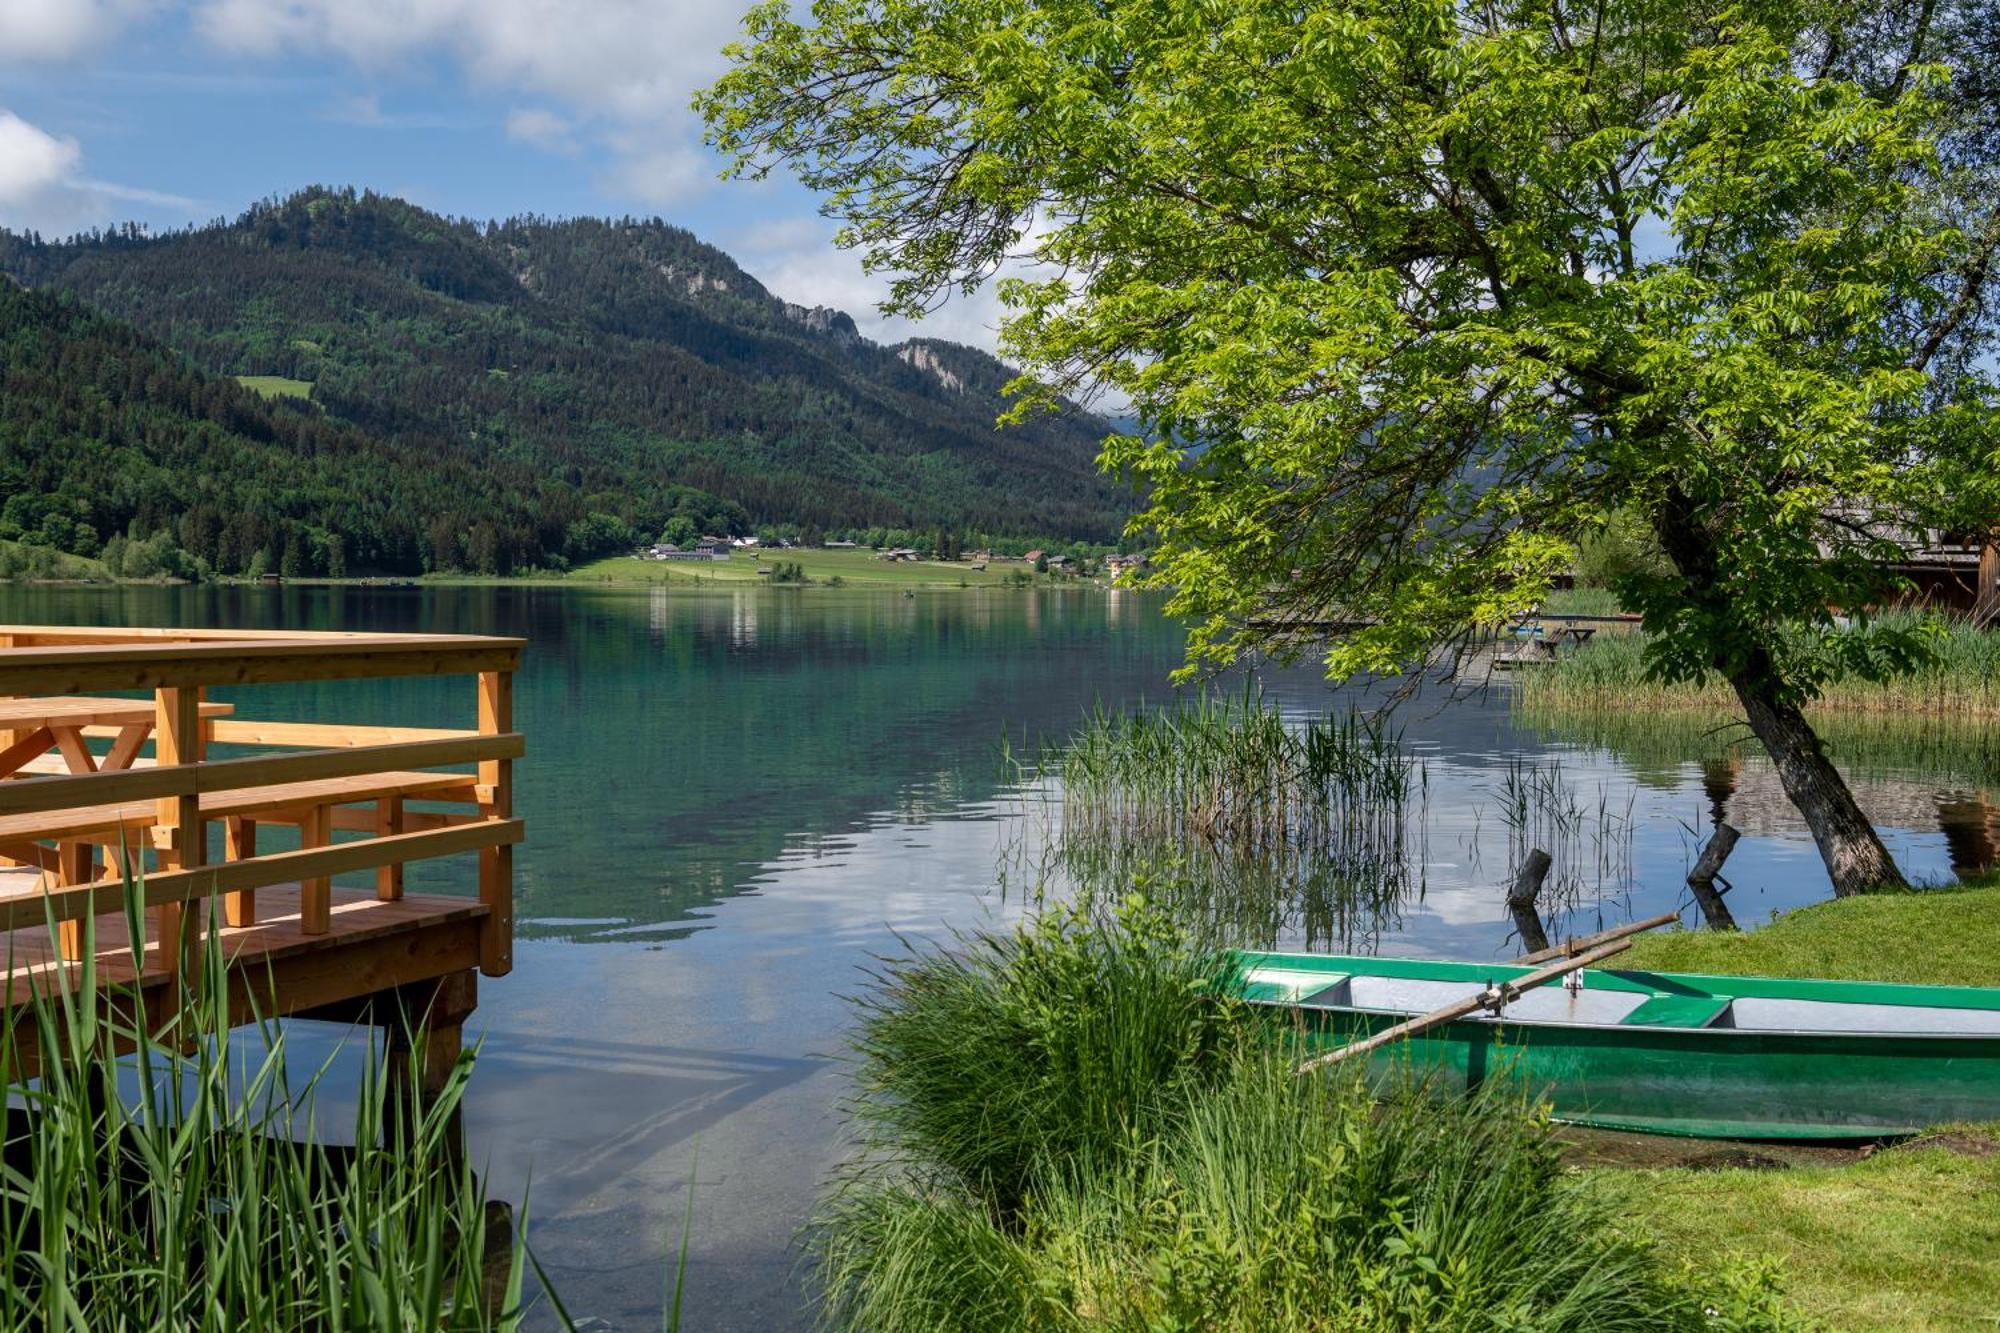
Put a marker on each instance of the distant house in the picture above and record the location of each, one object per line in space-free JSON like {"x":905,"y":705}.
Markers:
{"x":743,"y":541}
{"x":841,"y":546}
{"x":1033,"y":556}
{"x":900,"y":553}
{"x":705,"y":551}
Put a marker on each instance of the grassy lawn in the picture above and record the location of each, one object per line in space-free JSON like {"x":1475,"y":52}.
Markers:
{"x":850,"y":567}
{"x":1945,"y":937}
{"x":1908,"y":1238}
{"x":276,"y":386}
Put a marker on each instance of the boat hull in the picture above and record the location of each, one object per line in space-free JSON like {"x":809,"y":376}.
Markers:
{"x":1700,"y":1081}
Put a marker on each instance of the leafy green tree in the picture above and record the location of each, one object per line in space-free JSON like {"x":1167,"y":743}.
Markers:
{"x":1440,"y":287}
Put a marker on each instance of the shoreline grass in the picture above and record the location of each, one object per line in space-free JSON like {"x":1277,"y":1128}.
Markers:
{"x":1608,"y":675}
{"x":1907,"y":1239}
{"x":1073,"y":1127}
{"x":1945,"y":936}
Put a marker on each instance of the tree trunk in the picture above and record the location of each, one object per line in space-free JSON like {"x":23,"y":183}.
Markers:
{"x":1855,"y":858}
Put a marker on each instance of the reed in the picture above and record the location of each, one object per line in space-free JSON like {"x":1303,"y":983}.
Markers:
{"x":1073,"y":1127}
{"x":1958,"y":675}
{"x":1239,"y":820}
{"x":186,"y":1185}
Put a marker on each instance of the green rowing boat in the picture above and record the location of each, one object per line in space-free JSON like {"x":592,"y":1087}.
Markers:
{"x":1708,"y":1057}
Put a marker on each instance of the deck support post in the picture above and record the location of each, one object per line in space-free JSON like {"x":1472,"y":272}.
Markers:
{"x":424,"y":1028}
{"x":496,"y":801}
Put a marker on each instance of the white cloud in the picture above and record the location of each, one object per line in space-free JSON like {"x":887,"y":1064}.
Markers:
{"x":627,"y":67}
{"x":43,"y":188}
{"x":32,"y":161}
{"x":60,"y":29}
{"x":542,"y":128}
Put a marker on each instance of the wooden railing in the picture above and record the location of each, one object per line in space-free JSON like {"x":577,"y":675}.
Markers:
{"x":63,"y":798}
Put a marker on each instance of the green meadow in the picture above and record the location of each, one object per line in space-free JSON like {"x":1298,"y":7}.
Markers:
{"x":276,"y":386}
{"x":819,"y":567}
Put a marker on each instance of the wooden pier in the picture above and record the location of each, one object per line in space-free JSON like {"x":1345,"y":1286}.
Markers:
{"x":189,"y":796}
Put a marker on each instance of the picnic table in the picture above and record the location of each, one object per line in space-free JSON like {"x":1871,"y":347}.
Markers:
{"x":32,"y":727}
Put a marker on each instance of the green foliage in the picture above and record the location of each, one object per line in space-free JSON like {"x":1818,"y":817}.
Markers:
{"x":788,"y":571}
{"x":1074,"y":1128}
{"x":1438,"y":291}
{"x":184,"y":1186}
{"x":1029,"y":1052}
{"x":1621,"y":551}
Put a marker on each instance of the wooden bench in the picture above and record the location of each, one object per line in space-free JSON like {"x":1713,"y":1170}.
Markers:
{"x":317,"y":808}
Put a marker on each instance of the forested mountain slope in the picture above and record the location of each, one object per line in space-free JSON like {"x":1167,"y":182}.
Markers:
{"x":615,"y":361}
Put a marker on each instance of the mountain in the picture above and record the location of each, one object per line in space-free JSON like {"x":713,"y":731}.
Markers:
{"x":105,"y":432}
{"x":629,"y":368}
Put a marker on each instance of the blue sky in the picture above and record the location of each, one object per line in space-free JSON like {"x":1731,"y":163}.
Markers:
{"x":176,"y":111}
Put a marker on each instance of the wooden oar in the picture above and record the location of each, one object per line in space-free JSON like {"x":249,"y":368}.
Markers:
{"x":1581,"y":943}
{"x":1491,"y":998}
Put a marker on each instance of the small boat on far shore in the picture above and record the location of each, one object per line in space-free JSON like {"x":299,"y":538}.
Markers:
{"x":1670,"y":1053}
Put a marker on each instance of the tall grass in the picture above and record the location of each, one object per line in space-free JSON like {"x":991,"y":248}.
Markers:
{"x":1253,"y":825}
{"x":1589,"y":843}
{"x":185,"y":1185}
{"x":1960,"y":677}
{"x":1074,"y":1127}
{"x":1231,"y":771}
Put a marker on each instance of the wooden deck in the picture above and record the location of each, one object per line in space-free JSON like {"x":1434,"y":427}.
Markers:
{"x":102,"y":797}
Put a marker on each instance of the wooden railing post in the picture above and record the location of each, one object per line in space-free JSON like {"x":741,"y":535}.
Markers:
{"x":240,"y":908}
{"x":178,"y":837}
{"x":496,"y":801}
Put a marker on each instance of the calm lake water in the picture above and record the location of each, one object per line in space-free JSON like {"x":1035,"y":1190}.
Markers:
{"x":736,"y":800}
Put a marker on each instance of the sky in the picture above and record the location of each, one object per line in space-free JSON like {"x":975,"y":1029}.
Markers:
{"x":168,"y":112}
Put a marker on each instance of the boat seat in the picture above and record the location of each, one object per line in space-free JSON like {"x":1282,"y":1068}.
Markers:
{"x":1272,"y":985}
{"x":1679,"y":1011}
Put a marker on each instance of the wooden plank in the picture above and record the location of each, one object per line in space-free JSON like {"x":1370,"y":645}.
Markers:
{"x":496,"y":796}
{"x":75,"y":753}
{"x":220,"y":775}
{"x":324,"y":734}
{"x":1586,"y":942}
{"x":78,"y":670}
{"x":25,"y":748}
{"x":125,"y":748}
{"x":164,"y":888}
{"x":86,"y":711}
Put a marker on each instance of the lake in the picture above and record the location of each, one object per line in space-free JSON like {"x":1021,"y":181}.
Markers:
{"x":737,"y":800}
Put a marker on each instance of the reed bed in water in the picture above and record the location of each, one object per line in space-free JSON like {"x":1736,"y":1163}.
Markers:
{"x":1232,"y":771}
{"x":1248,"y":826}
{"x":1961,"y":678}
{"x":1073,"y":1127}
{"x":183,"y":1186}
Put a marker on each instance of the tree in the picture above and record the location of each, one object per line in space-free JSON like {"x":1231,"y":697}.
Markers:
{"x":1440,"y":288}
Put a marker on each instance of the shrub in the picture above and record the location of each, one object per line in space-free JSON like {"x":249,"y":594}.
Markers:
{"x":1075,"y":1127}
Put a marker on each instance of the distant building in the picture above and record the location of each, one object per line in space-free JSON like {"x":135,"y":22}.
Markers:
{"x":1032,"y":556}
{"x":841,"y":546}
{"x":900,"y":553}
{"x":704,"y":551}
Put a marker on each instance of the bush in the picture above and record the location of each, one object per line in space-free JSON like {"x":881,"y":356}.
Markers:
{"x":1075,"y":1127}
